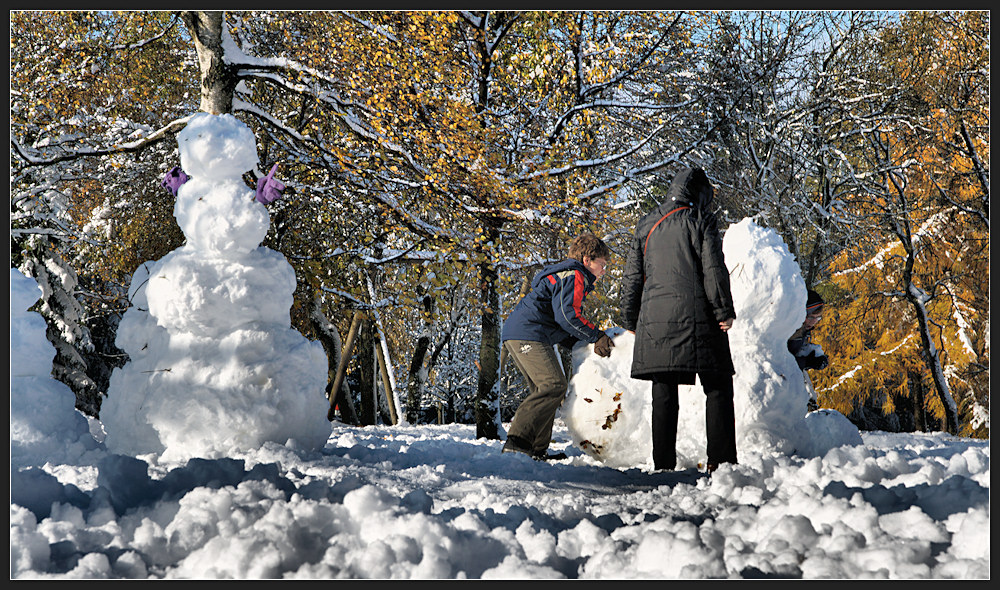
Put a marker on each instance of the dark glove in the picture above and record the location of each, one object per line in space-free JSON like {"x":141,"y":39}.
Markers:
{"x":603,"y":346}
{"x":814,"y":361}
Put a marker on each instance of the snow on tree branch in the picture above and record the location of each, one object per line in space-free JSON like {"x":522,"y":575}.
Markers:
{"x":127,"y":147}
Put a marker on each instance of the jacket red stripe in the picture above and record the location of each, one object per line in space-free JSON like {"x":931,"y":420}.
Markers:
{"x":578,"y":290}
{"x":646,"y":244}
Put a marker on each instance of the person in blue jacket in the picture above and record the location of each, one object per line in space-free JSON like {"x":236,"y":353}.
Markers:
{"x":550,"y":314}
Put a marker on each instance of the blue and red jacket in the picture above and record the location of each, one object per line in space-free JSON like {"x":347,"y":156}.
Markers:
{"x":553,"y":311}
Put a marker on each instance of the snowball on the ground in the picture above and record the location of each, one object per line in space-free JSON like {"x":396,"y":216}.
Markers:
{"x":606,"y":411}
{"x":829,"y":429}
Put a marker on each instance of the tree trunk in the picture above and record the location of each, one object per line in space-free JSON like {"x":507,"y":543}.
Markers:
{"x":487,"y":393}
{"x":918,"y":300}
{"x":487,"y":404}
{"x":820,"y":243}
{"x":417,"y":375}
{"x":383,"y":367}
{"x":218,"y":79}
{"x":329,"y":337}
{"x":415,"y":382}
{"x":366,"y":373}
{"x":932,"y":359}
{"x":919,"y":413}
{"x":933,"y":362}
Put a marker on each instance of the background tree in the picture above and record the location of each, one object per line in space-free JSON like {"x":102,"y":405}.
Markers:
{"x":778,"y":81}
{"x":85,"y":87}
{"x":918,"y":191}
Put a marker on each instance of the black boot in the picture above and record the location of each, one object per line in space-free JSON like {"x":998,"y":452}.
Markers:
{"x":545,"y":456}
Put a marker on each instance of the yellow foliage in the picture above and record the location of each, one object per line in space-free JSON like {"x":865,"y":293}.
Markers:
{"x":936,"y":222}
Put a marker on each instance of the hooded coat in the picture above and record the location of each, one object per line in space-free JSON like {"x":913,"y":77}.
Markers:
{"x":675,"y":288}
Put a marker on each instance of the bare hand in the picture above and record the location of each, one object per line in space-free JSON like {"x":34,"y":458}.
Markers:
{"x":726,"y":324}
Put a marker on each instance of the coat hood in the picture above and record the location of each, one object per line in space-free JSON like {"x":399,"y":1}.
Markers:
{"x":691,"y":187}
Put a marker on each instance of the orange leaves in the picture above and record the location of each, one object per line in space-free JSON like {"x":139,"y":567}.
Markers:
{"x":87,"y":69}
{"x":611,"y":419}
{"x":930,"y":230}
{"x":591,"y":448}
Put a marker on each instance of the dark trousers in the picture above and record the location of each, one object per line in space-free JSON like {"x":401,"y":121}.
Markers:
{"x":542,"y":369}
{"x":720,"y":419}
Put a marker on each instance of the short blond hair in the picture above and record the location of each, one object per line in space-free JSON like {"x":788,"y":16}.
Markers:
{"x":589,"y":245}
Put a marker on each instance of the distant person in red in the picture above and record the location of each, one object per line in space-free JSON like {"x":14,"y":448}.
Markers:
{"x":551,"y":314}
{"x":676,"y":298}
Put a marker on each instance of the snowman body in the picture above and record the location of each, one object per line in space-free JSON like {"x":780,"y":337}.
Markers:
{"x":214,"y":365}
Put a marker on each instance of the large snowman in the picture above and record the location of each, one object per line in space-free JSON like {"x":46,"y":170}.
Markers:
{"x":214,"y":365}
{"x":608,"y":414}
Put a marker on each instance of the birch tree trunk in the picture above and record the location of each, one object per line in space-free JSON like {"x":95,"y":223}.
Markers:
{"x":218,"y":79}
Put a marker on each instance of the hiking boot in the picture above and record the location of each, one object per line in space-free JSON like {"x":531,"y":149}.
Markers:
{"x":516,"y":444}
{"x":545,"y":456}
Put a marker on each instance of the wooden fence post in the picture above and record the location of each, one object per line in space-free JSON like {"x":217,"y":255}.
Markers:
{"x":345,"y":357}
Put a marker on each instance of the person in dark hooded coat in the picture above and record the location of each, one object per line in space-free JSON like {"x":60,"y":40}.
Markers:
{"x":676,"y":299}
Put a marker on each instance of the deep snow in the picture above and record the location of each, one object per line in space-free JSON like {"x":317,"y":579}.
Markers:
{"x":435,"y":502}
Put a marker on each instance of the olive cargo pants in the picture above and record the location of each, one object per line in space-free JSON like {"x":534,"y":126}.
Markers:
{"x":547,"y":385}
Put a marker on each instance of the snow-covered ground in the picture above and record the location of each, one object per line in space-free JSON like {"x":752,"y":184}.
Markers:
{"x":214,"y":457}
{"x":435,"y":502}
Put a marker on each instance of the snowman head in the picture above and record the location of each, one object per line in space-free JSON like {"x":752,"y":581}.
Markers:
{"x":769,"y":293}
{"x":216,"y":147}
{"x":215,"y":208}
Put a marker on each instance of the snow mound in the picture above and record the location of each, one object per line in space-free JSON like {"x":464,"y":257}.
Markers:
{"x":45,"y":425}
